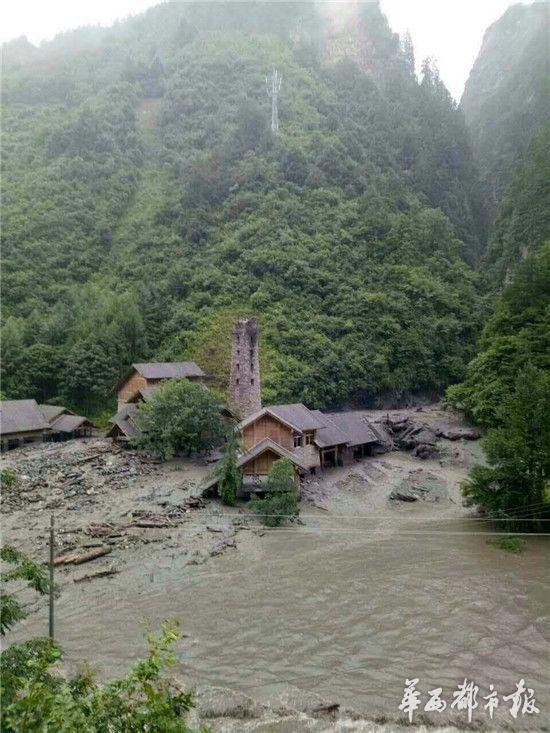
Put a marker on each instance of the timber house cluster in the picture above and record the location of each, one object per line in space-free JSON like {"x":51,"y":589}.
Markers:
{"x":25,"y":421}
{"x":309,"y":439}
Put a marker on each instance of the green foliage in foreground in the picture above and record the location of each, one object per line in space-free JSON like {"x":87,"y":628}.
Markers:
{"x":180,"y":418}
{"x":230,"y":477}
{"x":280,"y":503}
{"x":146,"y":699}
{"x":21,"y":568}
{"x":514,"y":486}
{"x":516,"y":334}
{"x":511,"y":544}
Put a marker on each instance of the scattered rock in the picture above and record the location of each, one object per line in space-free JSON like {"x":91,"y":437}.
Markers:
{"x":425,"y":450}
{"x":460,"y":433}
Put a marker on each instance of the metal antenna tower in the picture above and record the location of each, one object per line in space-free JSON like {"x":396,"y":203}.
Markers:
{"x":273,"y":87}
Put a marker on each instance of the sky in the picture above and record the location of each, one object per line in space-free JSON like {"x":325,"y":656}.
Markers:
{"x":450,"y":30}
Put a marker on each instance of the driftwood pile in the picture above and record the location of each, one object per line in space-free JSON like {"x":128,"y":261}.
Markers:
{"x":53,"y":475}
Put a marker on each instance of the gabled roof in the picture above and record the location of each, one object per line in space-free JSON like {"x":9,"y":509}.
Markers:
{"x":254,"y":452}
{"x":21,"y":416}
{"x":169,"y":369}
{"x":356,"y":426}
{"x":142,"y":394}
{"x":330,"y":434}
{"x":124,"y":421}
{"x":269,"y":444}
{"x":52,"y":412}
{"x":297,"y":416}
{"x":68,"y":423}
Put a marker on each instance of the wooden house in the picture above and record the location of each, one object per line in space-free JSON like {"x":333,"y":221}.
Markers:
{"x":21,"y":421}
{"x":65,"y":424}
{"x":152,"y":374}
{"x":24,"y":421}
{"x":310,"y":439}
{"x":124,"y":425}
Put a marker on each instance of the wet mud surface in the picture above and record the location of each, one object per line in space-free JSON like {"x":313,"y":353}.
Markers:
{"x":366,"y":591}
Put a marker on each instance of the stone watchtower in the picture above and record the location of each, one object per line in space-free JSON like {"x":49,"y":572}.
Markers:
{"x":244,"y":380}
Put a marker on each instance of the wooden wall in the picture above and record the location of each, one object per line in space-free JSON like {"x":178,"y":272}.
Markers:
{"x":260,"y":465}
{"x":134,"y":382}
{"x":267,"y":427}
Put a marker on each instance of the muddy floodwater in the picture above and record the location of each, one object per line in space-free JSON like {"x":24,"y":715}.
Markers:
{"x":362,"y":595}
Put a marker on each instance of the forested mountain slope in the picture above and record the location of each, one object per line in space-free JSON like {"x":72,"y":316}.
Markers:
{"x":511,"y":127}
{"x":147,"y":202}
{"x":507,"y":96}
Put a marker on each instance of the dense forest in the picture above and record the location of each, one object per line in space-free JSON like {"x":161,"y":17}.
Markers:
{"x":147,"y":202}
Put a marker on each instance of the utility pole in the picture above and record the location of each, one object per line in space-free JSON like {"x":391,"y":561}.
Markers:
{"x":51,"y":624}
{"x":273,"y":87}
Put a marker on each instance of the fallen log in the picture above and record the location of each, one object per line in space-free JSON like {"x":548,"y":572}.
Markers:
{"x":326,"y":708}
{"x":152,"y":524}
{"x":88,"y":458}
{"x":77,"y":558}
{"x":98,"y":574}
{"x":104,"y":529}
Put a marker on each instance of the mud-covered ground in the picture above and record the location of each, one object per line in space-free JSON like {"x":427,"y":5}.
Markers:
{"x":312,"y":627}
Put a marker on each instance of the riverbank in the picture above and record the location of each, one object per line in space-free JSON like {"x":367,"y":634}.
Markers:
{"x":387,"y":576}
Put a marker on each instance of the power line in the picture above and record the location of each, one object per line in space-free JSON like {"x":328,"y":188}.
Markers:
{"x":378,"y":530}
{"x":370,"y":517}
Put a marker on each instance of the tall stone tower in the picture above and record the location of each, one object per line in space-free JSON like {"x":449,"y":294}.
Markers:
{"x":244,"y":380}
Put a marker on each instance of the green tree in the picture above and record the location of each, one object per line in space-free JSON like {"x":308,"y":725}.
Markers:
{"x":229,"y":474}
{"x":21,"y":568}
{"x":516,"y":333}
{"x":515,"y":484}
{"x":280,"y":503}
{"x":89,"y":375}
{"x":180,"y":418}
{"x":146,"y":699}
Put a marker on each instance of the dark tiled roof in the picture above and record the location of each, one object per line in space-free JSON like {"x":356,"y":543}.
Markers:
{"x":331,"y":434}
{"x":21,"y":416}
{"x":297,"y":415}
{"x":169,"y":369}
{"x":143,"y":393}
{"x":124,"y":421}
{"x":52,"y":412}
{"x":268,"y":444}
{"x":68,"y":423}
{"x":355,"y":425}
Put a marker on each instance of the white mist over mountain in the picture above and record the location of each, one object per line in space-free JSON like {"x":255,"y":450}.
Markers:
{"x":450,"y":30}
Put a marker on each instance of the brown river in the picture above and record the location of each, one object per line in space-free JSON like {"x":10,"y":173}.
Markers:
{"x":348,"y":606}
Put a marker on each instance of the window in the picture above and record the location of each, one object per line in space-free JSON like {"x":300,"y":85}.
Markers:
{"x":309,"y":438}
{"x":238,"y":365}
{"x":252,"y":380}
{"x":238,"y":352}
{"x":237,"y":380}
{"x":297,"y":441}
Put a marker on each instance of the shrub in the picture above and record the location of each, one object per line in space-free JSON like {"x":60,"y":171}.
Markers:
{"x":280,"y":503}
{"x":228,"y":472}
{"x":180,"y":418}
{"x":146,"y":699}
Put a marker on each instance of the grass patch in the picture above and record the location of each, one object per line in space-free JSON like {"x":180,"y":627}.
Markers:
{"x":512,"y":544}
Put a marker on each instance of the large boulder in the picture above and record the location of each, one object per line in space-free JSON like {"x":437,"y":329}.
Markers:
{"x":460,"y":433}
